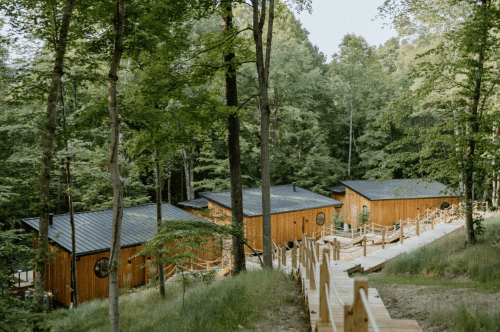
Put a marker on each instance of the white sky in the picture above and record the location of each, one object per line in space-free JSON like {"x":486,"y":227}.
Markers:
{"x":333,"y":19}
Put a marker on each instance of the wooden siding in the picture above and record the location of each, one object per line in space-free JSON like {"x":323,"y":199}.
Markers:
{"x":386,"y":212}
{"x":285,"y":227}
{"x":340,"y":198}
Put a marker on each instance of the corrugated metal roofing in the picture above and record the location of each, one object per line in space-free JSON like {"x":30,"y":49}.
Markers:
{"x":283,"y":199}
{"x":337,"y":189}
{"x":199,"y":203}
{"x":398,"y":189}
{"x":93,"y":229}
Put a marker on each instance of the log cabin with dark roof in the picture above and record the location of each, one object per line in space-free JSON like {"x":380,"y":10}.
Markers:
{"x":93,"y":240}
{"x":392,"y":200}
{"x":294,"y":211}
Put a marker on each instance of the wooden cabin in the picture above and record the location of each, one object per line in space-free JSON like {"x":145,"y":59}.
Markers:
{"x":294,"y":211}
{"x":197,"y":206}
{"x":390,"y":201}
{"x":93,"y":240}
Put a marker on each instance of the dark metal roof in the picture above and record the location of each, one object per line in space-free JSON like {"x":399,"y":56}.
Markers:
{"x":398,"y":189}
{"x":283,"y":199}
{"x":199,"y":203}
{"x":93,"y":229}
{"x":337,"y":189}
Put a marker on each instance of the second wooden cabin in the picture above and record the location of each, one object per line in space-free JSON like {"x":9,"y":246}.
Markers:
{"x":294,"y":211}
{"x":390,"y":201}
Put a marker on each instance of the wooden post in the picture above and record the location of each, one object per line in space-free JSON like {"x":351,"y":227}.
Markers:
{"x":324,"y":279}
{"x":338,"y":250}
{"x":401,"y":234}
{"x":284,"y":254}
{"x":294,"y":255}
{"x":316,"y":246}
{"x":208,"y":266}
{"x":383,"y":239}
{"x":364,"y":245}
{"x":355,"y":317}
{"x":373,"y":228}
{"x":417,"y":227}
{"x":486,"y":206}
{"x":307,"y":259}
{"x":312,"y":279}
{"x":279,"y":257}
{"x":352,"y":230}
{"x":432,"y":223}
{"x":334,"y":249}
{"x":394,"y":230}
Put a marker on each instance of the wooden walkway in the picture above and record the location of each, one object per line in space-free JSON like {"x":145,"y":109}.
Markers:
{"x":339,"y":306}
{"x":376,"y":260}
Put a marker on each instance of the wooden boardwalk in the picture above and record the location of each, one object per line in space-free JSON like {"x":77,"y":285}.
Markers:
{"x":338,"y":307}
{"x":378,"y":258}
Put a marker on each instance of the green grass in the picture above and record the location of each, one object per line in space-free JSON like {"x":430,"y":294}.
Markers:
{"x":465,"y":319}
{"x":449,"y":257}
{"x":220,"y":306}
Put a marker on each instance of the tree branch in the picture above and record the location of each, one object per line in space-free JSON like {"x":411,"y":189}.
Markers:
{"x":246,"y":101}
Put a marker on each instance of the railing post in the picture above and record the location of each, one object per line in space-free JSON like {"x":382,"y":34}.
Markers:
{"x":324,"y":280}
{"x":355,"y":317}
{"x":284,"y":254}
{"x":417,"y":227}
{"x":208,"y":266}
{"x":279,"y":257}
{"x":383,"y":239}
{"x":335,"y":249}
{"x":401,"y":237}
{"x":352,"y":237}
{"x":338,"y":250}
{"x":316,"y":246}
{"x":294,"y":255}
{"x":312,"y":279}
{"x":432,"y":223}
{"x":364,"y":245}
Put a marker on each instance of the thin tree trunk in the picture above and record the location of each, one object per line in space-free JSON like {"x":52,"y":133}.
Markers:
{"x":50,"y":127}
{"x":275,"y":126}
{"x":74,"y":284}
{"x":233,"y":143}
{"x":161,"y":272}
{"x":350,"y":136}
{"x":263,"y":73}
{"x":187,"y":161}
{"x":114,"y":170}
{"x":169,"y":178}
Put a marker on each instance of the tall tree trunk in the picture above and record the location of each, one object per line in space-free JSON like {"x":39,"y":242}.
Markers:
{"x":470,"y":235}
{"x":114,"y":170}
{"x":265,"y":111}
{"x":349,"y":176}
{"x":50,"y":127}
{"x":275,"y":126}
{"x":233,"y":143}
{"x":169,"y":179}
{"x":74,"y":284}
{"x":161,"y":272}
{"x":187,"y":160}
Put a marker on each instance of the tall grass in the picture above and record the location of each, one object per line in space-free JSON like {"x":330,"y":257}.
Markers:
{"x":464,"y":319}
{"x":220,"y":306}
{"x":450,"y":257}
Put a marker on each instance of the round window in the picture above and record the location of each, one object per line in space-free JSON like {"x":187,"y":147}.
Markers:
{"x":101,"y":267}
{"x":320,"y":219}
{"x":445,"y":205}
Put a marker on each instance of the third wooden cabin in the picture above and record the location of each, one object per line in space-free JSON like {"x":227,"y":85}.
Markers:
{"x":392,"y":200}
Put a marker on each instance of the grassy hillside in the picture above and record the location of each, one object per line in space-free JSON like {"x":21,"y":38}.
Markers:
{"x":450,"y":285}
{"x":226,"y":305}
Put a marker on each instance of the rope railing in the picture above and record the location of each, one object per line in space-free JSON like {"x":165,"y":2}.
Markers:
{"x":369,"y":313}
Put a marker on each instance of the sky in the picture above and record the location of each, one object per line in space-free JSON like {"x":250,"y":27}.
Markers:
{"x":333,"y":19}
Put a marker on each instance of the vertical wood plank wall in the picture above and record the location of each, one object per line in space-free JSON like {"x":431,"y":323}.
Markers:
{"x":387,"y":212}
{"x":285,"y":227}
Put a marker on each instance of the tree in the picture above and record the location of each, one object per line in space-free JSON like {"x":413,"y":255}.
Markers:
{"x":233,"y":141}
{"x":114,"y":255}
{"x":349,"y":67}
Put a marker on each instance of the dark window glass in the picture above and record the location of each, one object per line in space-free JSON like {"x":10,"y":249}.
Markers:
{"x":101,"y":267}
{"x":445,"y":205}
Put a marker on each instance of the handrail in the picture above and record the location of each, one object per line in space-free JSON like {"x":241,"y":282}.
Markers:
{"x":332,"y":285}
{"x":329,"y":305}
{"x":368,"y":310}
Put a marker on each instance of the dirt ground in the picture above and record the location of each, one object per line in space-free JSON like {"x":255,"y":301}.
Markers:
{"x":289,"y":316}
{"x":426,"y":303}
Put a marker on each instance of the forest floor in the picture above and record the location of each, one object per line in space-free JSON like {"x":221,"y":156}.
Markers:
{"x":447,"y":286}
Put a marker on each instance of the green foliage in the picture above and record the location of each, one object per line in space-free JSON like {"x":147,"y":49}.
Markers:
{"x":337,"y":219}
{"x":363,"y":217}
{"x":466,"y":319}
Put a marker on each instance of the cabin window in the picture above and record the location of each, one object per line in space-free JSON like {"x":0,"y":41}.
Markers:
{"x":101,"y":267}
{"x":320,"y":219}
{"x":365,"y":208}
{"x":445,"y":205}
